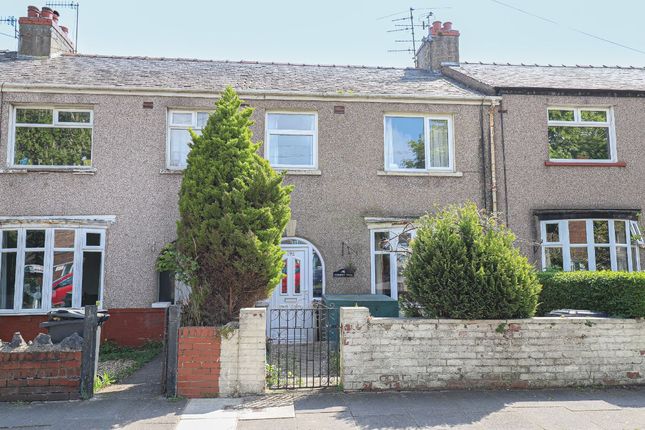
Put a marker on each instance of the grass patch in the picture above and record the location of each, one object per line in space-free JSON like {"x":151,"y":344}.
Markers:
{"x":134,"y":358}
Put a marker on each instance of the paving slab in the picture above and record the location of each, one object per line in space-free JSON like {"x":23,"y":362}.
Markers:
{"x":559,"y":419}
{"x":386,"y":422}
{"x":320,"y":403}
{"x":327,"y":421}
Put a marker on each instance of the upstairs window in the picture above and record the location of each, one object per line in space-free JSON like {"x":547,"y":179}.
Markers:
{"x":291,"y":140}
{"x":45,"y":137}
{"x":591,"y":244}
{"x":42,"y":268}
{"x":179,"y":122}
{"x":418,"y":143}
{"x":581,"y":134}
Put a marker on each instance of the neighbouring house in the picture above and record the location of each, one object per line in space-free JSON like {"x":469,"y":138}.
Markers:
{"x":92,"y":149}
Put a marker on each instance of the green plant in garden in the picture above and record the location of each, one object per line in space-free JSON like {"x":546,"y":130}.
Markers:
{"x":620,"y":294}
{"x":464,"y":265}
{"x":233,"y":210}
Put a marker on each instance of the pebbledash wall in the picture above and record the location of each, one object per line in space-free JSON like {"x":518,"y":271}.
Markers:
{"x":422,"y":354}
{"x":223,"y":361}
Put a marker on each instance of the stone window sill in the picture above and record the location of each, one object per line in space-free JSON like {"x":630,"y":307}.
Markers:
{"x":585,"y":164}
{"x":171,"y":171}
{"x":300,"y":172}
{"x":73,"y":171}
{"x":396,"y":173}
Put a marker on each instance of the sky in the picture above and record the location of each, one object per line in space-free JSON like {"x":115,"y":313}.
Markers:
{"x":350,"y":31}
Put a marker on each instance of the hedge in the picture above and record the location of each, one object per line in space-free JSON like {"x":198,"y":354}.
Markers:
{"x":619,"y":294}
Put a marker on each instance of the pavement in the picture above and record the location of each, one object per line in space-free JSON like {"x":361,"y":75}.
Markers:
{"x":137,"y":404}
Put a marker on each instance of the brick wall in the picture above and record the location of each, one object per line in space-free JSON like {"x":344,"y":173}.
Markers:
{"x":34,"y":376}
{"x":130,"y":327}
{"x":134,"y":326}
{"x":421,"y":354}
{"x":223,"y":361}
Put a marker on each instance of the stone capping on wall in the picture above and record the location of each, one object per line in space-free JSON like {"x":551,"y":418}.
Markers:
{"x":424,"y":354}
{"x":223,"y":361}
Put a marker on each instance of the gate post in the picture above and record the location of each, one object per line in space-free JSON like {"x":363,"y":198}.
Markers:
{"x":173,"y":318}
{"x":252,"y":351}
{"x":90,"y":352}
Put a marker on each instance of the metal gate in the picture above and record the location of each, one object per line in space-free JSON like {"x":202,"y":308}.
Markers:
{"x":303,"y":348}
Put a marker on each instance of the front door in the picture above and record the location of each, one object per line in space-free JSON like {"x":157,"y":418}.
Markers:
{"x":292,"y":294}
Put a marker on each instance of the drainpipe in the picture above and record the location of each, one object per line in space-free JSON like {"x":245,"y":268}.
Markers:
{"x":493,"y":167}
{"x":482,"y":149}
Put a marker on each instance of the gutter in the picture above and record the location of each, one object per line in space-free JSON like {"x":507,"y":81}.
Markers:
{"x":251,"y":94}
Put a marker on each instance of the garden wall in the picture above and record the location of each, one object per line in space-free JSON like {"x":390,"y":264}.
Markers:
{"x":40,"y":371}
{"x":423,"y":354}
{"x":223,"y":361}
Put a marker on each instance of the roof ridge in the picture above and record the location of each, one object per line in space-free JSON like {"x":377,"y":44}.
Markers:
{"x":569,"y":66}
{"x":201,"y":60}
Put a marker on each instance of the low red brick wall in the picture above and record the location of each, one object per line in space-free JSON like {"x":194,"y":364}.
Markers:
{"x":34,"y":376}
{"x":198,"y":362}
{"x":135,"y":326}
{"x":130,"y":327}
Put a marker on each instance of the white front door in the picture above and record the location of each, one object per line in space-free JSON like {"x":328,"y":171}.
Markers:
{"x":294,"y":292}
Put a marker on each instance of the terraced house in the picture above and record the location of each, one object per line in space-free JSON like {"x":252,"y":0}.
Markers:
{"x":92,"y":150}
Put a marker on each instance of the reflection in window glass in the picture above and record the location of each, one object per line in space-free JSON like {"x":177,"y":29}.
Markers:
{"x":579,"y":259}
{"x":62,"y":279}
{"x":601,"y":231}
{"x":383,"y":285}
{"x":317,"y":271}
{"x":587,"y":137}
{"x":179,"y":136}
{"x":34,"y":116}
{"x":603,"y":258}
{"x":578,"y":231}
{"x":561,"y":115}
{"x":291,"y":150}
{"x":593,"y":115}
{"x":406,"y":143}
{"x":621,"y":231}
{"x":621,"y":259}
{"x":382,"y":241}
{"x":9,"y":239}
{"x":7,"y":279}
{"x":82,"y":117}
{"x":32,"y":290}
{"x":554,"y":258}
{"x":64,"y":239}
{"x":552,"y":233}
{"x":285,"y":121}
{"x":296,"y":275}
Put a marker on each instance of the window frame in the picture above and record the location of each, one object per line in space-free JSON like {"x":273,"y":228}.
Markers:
{"x":13,"y":124}
{"x":565,"y":244}
{"x":80,"y":247}
{"x":394,"y":281}
{"x":170,"y":126}
{"x":388,"y":150}
{"x":313,"y":133}
{"x":577,"y":122}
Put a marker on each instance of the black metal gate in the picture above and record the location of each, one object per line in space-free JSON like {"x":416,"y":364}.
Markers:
{"x":303,"y":348}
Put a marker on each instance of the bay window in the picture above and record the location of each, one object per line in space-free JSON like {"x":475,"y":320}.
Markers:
{"x":48,"y":137}
{"x":591,"y":244}
{"x":50,"y":267}
{"x":418,"y":143}
{"x":179,"y":124}
{"x":390,"y":248}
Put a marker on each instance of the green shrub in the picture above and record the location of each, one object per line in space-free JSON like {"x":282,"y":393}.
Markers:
{"x":464,"y":265}
{"x":620,"y":294}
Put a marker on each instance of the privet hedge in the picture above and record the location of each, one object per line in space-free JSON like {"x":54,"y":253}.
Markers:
{"x":464,"y":265}
{"x":620,"y":294}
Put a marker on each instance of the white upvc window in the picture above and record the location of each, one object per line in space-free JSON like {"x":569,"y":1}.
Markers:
{"x":179,"y":124}
{"x":47,"y":137}
{"x":591,"y":244}
{"x":291,"y":140}
{"x":44,"y":267}
{"x":389,"y":249}
{"x":418,"y":143}
{"x":581,"y":134}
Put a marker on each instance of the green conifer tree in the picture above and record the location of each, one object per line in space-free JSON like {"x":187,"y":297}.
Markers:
{"x":233,"y":210}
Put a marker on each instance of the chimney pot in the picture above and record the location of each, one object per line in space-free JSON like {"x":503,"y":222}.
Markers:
{"x":55,"y":16}
{"x":447,"y":26}
{"x":436,"y":26}
{"x":64,"y":29}
{"x":33,"y":12}
{"x":47,"y":13}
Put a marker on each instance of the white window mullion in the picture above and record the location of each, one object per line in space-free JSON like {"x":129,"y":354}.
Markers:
{"x":47,"y":269}
{"x":426,"y":144}
{"x":591,"y":249}
{"x":612,"y":245}
{"x":20,"y":271}
{"x":566,"y":247}
{"x":78,"y":268}
{"x":628,"y":238}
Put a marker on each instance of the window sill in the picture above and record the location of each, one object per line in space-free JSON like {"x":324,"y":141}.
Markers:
{"x":300,"y":172}
{"x":73,"y":171}
{"x":585,"y":164}
{"x":171,"y":171}
{"x":397,"y":173}
{"x":160,"y":305}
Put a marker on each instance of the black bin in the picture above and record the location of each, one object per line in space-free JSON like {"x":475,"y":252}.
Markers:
{"x":65,"y":322}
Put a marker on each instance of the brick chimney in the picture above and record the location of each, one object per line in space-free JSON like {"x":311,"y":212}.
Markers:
{"x":440,"y":46}
{"x":40,"y":34}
